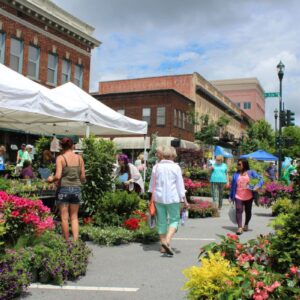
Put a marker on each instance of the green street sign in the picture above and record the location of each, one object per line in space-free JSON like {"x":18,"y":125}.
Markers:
{"x":267,"y":95}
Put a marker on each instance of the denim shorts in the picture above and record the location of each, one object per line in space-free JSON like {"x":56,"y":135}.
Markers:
{"x":69,"y":195}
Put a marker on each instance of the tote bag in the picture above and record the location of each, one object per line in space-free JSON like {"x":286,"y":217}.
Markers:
{"x":232,"y":214}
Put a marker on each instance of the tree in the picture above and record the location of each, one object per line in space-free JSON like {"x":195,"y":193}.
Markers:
{"x":291,"y":141}
{"x":260,"y":135}
{"x":210,"y":129}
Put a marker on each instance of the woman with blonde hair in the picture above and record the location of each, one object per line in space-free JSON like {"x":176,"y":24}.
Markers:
{"x":218,"y":180}
{"x":168,"y":187}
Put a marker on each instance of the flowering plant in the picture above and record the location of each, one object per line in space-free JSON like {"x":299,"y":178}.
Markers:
{"x":23,"y":216}
{"x":202,"y":209}
{"x":136,"y":218}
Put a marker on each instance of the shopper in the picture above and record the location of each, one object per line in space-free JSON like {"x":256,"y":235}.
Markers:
{"x":70,"y":173}
{"x":241,"y":194}
{"x":128,"y":175}
{"x":168,"y":187}
{"x":218,"y":180}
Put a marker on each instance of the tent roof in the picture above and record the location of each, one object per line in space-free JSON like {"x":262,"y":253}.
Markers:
{"x":221,"y":151}
{"x":260,"y":155}
{"x":28,"y":106}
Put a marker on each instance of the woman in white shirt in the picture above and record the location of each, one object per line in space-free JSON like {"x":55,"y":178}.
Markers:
{"x":168,"y":187}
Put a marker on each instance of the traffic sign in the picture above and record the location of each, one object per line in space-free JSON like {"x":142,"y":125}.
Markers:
{"x":274,"y":94}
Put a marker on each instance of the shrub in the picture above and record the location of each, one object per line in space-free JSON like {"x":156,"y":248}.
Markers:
{"x":286,"y":241}
{"x":210,"y":279}
{"x":50,"y":259}
{"x":107,"y":236}
{"x":202,"y":209}
{"x":272,"y":192}
{"x":115,"y":207}
{"x":282,"y":205}
{"x":145,"y":235}
{"x":22,"y":216}
{"x":99,"y":157}
{"x":14,"y":277}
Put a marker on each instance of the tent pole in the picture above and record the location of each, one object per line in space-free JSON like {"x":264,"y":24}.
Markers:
{"x":145,"y":157}
{"x":87,"y":131}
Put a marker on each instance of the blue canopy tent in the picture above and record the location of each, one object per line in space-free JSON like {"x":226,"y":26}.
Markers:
{"x":221,"y":151}
{"x":260,"y":155}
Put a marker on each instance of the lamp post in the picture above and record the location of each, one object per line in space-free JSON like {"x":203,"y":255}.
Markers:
{"x":280,"y":71}
{"x":276,"y":117}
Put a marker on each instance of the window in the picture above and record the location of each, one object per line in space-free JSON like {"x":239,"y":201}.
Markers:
{"x":52,"y":69}
{"x":66,"y":71}
{"x":161,"y":116}
{"x":147,"y":115}
{"x":33,"y":62}
{"x":175,"y":118}
{"x":121,"y":111}
{"x":247,"y":105}
{"x":179,"y":119}
{"x":2,"y":47}
{"x":183,"y":120}
{"x":78,"y":75}
{"x":16,"y":55}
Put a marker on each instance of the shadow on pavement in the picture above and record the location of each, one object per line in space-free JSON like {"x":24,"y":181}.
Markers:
{"x":263,"y":214}
{"x":230,"y":228}
{"x":151,"y":247}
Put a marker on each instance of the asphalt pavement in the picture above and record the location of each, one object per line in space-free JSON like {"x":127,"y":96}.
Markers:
{"x":137,"y":271}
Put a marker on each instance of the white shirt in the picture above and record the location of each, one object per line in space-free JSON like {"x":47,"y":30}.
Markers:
{"x":169,"y":186}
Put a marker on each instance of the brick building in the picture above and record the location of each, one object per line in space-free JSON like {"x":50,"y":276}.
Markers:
{"x":45,"y":43}
{"x":165,"y":111}
{"x":205,"y":97}
{"x":246,"y":93}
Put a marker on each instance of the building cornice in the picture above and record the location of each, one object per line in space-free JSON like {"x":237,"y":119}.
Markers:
{"x":53,"y":16}
{"x":43,"y":32}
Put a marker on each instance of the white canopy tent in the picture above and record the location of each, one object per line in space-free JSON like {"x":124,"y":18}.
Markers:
{"x":28,"y":106}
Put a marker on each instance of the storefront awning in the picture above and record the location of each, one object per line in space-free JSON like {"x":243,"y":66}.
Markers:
{"x":132,"y":142}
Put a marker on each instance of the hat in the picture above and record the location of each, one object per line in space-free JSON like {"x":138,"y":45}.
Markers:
{"x":29,"y":146}
{"x":23,"y":145}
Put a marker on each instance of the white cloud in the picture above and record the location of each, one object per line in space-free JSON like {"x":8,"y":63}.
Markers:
{"x":218,"y":39}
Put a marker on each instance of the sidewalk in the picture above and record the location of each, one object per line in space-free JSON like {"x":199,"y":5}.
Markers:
{"x":137,"y":271}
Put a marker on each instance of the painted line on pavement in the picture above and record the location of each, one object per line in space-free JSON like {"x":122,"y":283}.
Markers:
{"x":82,"y":288}
{"x":192,"y":239}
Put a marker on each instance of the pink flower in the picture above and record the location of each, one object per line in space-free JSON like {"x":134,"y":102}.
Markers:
{"x":254,"y":272}
{"x":232,"y":236}
{"x":15,"y":213}
{"x":239,"y":246}
{"x":293,"y":270}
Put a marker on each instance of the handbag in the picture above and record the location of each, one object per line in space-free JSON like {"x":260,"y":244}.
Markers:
{"x":232,"y":214}
{"x":152,"y":209}
{"x":256,"y":198}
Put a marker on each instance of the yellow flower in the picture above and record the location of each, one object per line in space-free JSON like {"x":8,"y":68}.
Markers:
{"x":209,"y":279}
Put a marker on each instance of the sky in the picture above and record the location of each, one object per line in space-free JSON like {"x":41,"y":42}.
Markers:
{"x":219,"y":39}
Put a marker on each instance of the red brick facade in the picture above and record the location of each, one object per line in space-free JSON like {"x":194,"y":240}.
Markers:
{"x":134,"y":102}
{"x":42,"y":39}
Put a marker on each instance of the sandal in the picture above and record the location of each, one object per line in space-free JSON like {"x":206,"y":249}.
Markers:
{"x":162,"y":250}
{"x":246,"y":228}
{"x":239,"y":231}
{"x":167,"y":249}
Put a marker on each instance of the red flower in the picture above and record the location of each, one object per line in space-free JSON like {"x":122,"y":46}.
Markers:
{"x":132,"y":224}
{"x":232,"y":236}
{"x":15,"y":213}
{"x":87,"y":220}
{"x":239,"y":246}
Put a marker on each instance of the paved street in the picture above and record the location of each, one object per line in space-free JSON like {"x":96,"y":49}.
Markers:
{"x":138,"y":271}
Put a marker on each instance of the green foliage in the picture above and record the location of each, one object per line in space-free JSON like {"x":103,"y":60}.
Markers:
{"x":145,"y":235}
{"x":99,"y":157}
{"x":14,"y":277}
{"x":260,"y":135}
{"x":43,"y":143}
{"x":115,"y":207}
{"x":107,"y":236}
{"x":286,"y":241}
{"x":210,"y":129}
{"x":151,"y":157}
{"x":4,"y":184}
{"x":293,"y":133}
{"x":2,"y":234}
{"x":196,"y":173}
{"x":50,"y":259}
{"x":282,"y":205}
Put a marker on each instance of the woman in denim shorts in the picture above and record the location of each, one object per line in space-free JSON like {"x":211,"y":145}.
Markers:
{"x":70,"y":173}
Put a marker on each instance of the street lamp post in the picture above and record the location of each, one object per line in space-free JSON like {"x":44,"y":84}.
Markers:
{"x":280,"y":70}
{"x":276,"y":117}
